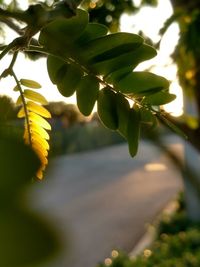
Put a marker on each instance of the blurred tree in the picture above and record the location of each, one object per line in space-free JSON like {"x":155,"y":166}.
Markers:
{"x":68,"y":111}
{"x":7,"y":109}
{"x":108,"y":12}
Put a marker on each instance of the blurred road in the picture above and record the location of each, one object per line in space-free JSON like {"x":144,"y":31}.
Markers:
{"x":103,"y":199}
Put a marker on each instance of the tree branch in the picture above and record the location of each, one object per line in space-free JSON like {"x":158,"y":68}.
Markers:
{"x":12,"y":25}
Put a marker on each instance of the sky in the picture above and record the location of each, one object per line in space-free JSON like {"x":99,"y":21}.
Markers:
{"x":149,"y":20}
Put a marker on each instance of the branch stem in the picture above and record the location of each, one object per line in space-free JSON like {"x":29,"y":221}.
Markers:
{"x":24,"y":106}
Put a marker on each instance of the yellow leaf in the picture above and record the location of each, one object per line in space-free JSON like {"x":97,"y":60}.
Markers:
{"x":36,"y":138}
{"x":38,"y":129}
{"x":16,"y":88}
{"x":21,"y":113}
{"x":39,"y":120}
{"x":38,"y":109}
{"x":35,"y":96}
{"x":39,"y":174}
{"x":30,"y":83}
{"x":43,"y":159}
{"x":39,"y":149}
{"x":26,"y":136}
{"x":19,"y":101}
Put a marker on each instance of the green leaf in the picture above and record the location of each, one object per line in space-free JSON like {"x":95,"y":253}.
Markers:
{"x":107,"y":109}
{"x":123,"y":60}
{"x":59,"y":36}
{"x":91,"y":32}
{"x":123,"y":109}
{"x":143,"y":53}
{"x":147,"y":117}
{"x":87,"y":94}
{"x":54,"y":64}
{"x":133,"y":132}
{"x":160,"y":98}
{"x":116,"y":76}
{"x":69,"y":77}
{"x":141,"y":83}
{"x":110,"y":46}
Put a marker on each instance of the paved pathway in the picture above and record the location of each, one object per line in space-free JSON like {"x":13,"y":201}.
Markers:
{"x":103,"y":199}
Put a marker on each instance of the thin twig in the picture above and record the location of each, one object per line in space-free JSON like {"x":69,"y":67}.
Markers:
{"x":24,"y":106}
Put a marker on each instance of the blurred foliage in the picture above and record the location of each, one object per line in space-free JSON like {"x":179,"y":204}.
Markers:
{"x":7,"y":109}
{"x":67,"y":113}
{"x":27,"y":239}
{"x":81,"y":137}
{"x":108,"y":12}
{"x":177,"y":244}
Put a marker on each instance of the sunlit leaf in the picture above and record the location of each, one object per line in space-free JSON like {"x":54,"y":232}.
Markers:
{"x":35,"y":137}
{"x":42,"y":158}
{"x":19,"y":101}
{"x":39,"y":149}
{"x":30,"y":83}
{"x":21,"y":113}
{"x":16,"y":88}
{"x":40,"y":174}
{"x":35,"y":96}
{"x":38,"y":109}
{"x":38,"y":129}
{"x":87,"y":94}
{"x":39,"y":120}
